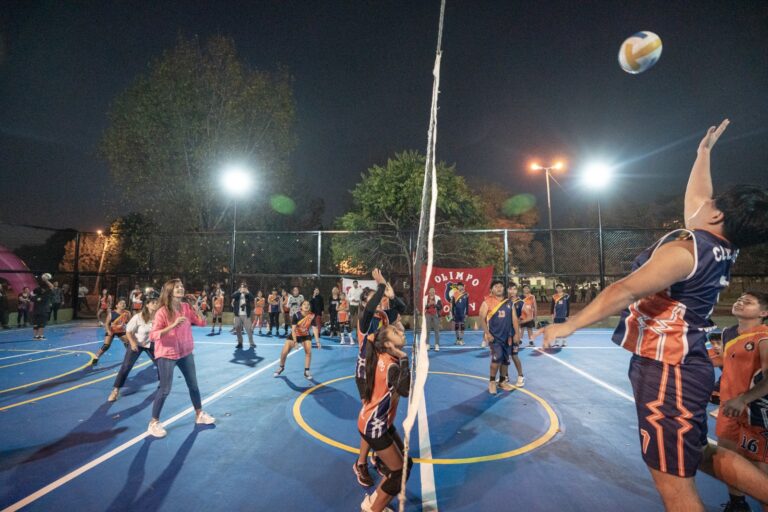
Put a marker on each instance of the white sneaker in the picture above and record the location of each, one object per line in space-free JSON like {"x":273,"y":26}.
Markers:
{"x":506,"y":385}
{"x":437,"y":348}
{"x":278,"y":371}
{"x":484,"y":344}
{"x":113,"y":395}
{"x":205,"y":419}
{"x":492,"y":387}
{"x":367,"y":504}
{"x":156,"y":429}
{"x":565,"y":344}
{"x":307,"y":375}
{"x":520,"y":381}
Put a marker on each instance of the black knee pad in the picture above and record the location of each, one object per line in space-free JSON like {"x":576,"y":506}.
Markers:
{"x":393,"y":483}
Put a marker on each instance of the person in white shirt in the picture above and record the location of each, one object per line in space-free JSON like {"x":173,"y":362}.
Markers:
{"x":137,"y":333}
{"x":353,"y":295}
{"x":242,"y":301}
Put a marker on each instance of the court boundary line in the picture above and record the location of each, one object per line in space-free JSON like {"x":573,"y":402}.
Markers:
{"x":116,"y":451}
{"x":66,"y":353}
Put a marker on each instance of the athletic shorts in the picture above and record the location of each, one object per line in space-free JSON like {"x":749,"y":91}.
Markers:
{"x":387,"y":439}
{"x":500,"y":352}
{"x":529,"y":324}
{"x":38,"y":320}
{"x":753,"y":443}
{"x":671,"y":402}
{"x":559,"y":320}
{"x":301,"y":339}
{"x":360,"y":383}
{"x":727,"y":428}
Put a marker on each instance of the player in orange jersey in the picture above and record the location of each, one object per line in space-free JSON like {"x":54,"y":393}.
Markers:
{"x":742,"y":424}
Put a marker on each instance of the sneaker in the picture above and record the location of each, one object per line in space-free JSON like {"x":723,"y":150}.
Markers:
{"x":492,"y":387}
{"x":367,"y":504}
{"x":363,"y":476}
{"x":239,"y":345}
{"x":736,"y":506}
{"x":506,"y":385}
{"x":530,"y":343}
{"x":94,"y":361}
{"x":42,"y":338}
{"x":36,"y":337}
{"x":113,"y":395}
{"x":253,"y":345}
{"x":204,"y":419}
{"x":156,"y":429}
{"x":520,"y":381}
{"x":279,"y":370}
{"x":564,"y":344}
{"x":484,"y":344}
{"x":556,"y":344}
{"x":307,"y":375}
{"x":437,"y":348}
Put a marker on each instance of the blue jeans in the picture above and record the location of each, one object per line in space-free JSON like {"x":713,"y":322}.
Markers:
{"x":129,"y":360}
{"x":165,"y":370}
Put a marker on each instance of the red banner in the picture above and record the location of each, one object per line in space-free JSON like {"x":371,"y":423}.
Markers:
{"x":477,"y":283}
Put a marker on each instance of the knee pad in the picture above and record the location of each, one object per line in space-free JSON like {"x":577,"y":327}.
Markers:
{"x":393,"y":483}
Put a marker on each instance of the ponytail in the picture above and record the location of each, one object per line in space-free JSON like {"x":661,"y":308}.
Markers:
{"x":371,"y":361}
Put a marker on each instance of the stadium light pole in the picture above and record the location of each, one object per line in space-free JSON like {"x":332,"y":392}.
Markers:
{"x":557,"y":166}
{"x":101,"y":261}
{"x":237,"y":182}
{"x":597,"y":176}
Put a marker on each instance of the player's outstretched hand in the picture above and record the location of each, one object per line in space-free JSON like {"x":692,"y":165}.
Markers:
{"x":712,"y":135}
{"x":552,"y":332}
{"x":734,"y":407}
{"x":378,"y":277}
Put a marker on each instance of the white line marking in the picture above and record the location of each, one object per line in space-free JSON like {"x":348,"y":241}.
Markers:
{"x":427,"y":471}
{"x":50,"y":350}
{"x":95,"y":462}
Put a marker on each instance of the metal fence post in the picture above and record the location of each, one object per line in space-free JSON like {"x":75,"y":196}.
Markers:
{"x":76,"y":279}
{"x":506,"y":259}
{"x":319,"y":251}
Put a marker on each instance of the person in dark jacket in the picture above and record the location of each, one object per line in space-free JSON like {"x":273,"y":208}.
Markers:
{"x":317,"y":306}
{"x":242,"y":302}
{"x":3,"y":306}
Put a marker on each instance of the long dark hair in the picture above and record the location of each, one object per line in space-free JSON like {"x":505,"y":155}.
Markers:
{"x":145,"y":314}
{"x":374,"y":347}
{"x":166,"y":297}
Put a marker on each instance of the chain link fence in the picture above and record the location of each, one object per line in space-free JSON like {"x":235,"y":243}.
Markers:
{"x":84,"y":263}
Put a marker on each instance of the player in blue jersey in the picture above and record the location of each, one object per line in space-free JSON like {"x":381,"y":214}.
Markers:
{"x":501,"y":331}
{"x":561,"y":309}
{"x":665,"y":306}
{"x":459,"y":300}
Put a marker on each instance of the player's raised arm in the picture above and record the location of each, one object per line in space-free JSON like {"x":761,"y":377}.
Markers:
{"x":699,"y":188}
{"x":670,"y":263}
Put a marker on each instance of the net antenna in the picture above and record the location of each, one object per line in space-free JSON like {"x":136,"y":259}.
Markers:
{"x":424,"y":256}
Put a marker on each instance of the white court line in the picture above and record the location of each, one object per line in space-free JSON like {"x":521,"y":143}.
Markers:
{"x":586,"y":375}
{"x":95,"y":462}
{"x":426,"y":471}
{"x":599,"y":382}
{"x":50,"y":349}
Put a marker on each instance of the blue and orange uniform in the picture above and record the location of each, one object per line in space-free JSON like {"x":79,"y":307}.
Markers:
{"x":500,"y":326}
{"x":528,"y":311}
{"x":671,"y":373}
{"x":561,"y":307}
{"x":392,"y":379}
{"x":742,"y":370}
{"x":300,"y":325}
{"x":459,"y":309}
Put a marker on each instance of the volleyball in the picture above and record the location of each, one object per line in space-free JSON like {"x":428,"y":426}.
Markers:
{"x":640,"y":52}
{"x":47,"y":276}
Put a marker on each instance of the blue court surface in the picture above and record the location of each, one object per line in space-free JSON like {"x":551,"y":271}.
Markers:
{"x":567,"y":441}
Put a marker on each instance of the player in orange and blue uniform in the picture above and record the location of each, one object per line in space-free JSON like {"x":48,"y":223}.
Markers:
{"x":501,"y":332}
{"x":301,"y":324}
{"x":387,"y":378}
{"x":742,"y":424}
{"x":665,"y":306}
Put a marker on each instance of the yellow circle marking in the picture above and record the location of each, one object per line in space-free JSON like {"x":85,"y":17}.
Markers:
{"x":66,"y":353}
{"x":554,"y":426}
{"x":79,"y":368}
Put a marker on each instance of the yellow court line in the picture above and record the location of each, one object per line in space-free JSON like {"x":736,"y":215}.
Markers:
{"x":54,"y":377}
{"x":49,"y":395}
{"x":68,"y":353}
{"x":554,"y":426}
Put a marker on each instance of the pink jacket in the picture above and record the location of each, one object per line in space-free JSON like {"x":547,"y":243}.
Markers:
{"x":178,"y":342}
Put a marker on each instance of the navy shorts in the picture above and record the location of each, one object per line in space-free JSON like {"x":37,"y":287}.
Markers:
{"x":560,"y":320}
{"x":500,"y":352}
{"x":671,"y":402}
{"x":530,"y":324}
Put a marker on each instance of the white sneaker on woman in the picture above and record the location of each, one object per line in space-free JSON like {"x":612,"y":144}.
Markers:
{"x":156,"y":429}
{"x":205,"y":419}
{"x":367,"y":504}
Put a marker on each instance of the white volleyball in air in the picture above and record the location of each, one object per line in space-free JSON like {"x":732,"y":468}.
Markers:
{"x":640,"y":52}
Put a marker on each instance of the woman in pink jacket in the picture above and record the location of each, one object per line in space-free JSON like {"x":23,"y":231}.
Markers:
{"x":172,"y":335}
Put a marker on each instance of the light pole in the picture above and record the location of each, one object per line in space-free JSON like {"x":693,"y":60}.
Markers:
{"x":597,"y":176}
{"x":558,"y":166}
{"x":237,"y":182}
{"x":101,"y":261}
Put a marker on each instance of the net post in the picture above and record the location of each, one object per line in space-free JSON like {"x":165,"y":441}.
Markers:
{"x":506,"y":259}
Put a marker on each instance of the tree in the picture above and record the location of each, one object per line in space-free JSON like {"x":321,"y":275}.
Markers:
{"x":388,"y":200}
{"x":198,"y":108}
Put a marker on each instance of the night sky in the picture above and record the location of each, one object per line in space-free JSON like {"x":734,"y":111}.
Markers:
{"x":519,"y":80}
